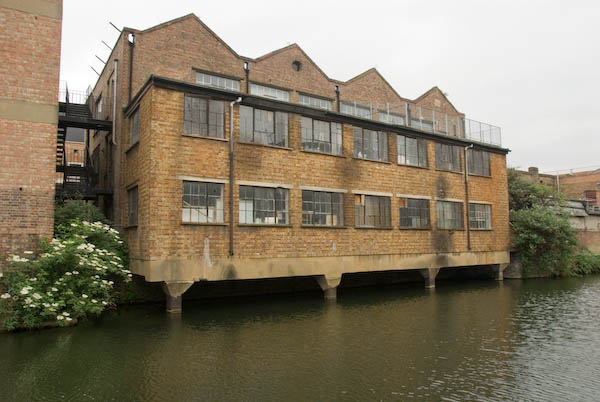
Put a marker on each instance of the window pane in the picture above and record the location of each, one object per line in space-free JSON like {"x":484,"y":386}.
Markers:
{"x":216,"y":119}
{"x":281,"y":129}
{"x":217,"y":82}
{"x":246,"y":123}
{"x":401,"y":141}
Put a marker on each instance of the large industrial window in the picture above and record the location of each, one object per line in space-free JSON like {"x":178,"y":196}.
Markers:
{"x":134,"y":127}
{"x":202,"y":202}
{"x":312,"y":101}
{"x":263,"y":126}
{"x":479,"y":162}
{"x":414,"y":213}
{"x":372,"y":211}
{"x":321,"y":208}
{"x":215,"y":81}
{"x":355,"y":110}
{"x":390,"y":118}
{"x":264,"y":205}
{"x":321,"y":136}
{"x":269,"y":92}
{"x":480,"y":216}
{"x":204,"y":117}
{"x":412,"y":151}
{"x":447,"y":157}
{"x":132,"y":206}
{"x":449,"y":215}
{"x":370,"y":144}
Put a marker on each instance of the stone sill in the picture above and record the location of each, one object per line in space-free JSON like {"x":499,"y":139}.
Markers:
{"x":449,"y":171}
{"x":323,"y":227}
{"x":323,"y":153}
{"x":480,"y":175}
{"x":205,"y":223}
{"x":414,"y":166}
{"x":263,"y":225}
{"x":265,"y":145}
{"x":203,"y":137}
{"x":374,"y":228}
{"x":371,"y":160}
{"x":481,"y":230}
{"x":426,"y":229}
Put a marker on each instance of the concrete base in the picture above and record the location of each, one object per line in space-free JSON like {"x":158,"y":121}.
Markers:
{"x":329,"y":286}
{"x":174,"y":292}
{"x":498,"y":271}
{"x":429,"y":274}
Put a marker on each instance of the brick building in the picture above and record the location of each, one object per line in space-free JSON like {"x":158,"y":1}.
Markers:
{"x":322,"y":177}
{"x":30,"y":40}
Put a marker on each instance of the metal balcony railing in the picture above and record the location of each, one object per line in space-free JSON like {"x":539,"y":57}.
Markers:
{"x":437,"y":121}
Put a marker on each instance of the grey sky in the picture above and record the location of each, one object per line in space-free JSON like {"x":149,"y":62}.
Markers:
{"x":530,"y":67}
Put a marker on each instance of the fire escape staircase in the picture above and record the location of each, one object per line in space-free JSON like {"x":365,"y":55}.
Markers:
{"x":78,"y":181}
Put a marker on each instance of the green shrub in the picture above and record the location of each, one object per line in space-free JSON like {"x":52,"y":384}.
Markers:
{"x":74,"y":276}
{"x":543,"y":239}
{"x":584,"y":263}
{"x":69,"y":210}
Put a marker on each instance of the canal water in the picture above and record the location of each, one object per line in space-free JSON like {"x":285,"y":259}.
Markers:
{"x":536,"y":340}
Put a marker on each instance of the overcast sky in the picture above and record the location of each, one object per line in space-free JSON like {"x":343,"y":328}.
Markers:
{"x":530,"y":67}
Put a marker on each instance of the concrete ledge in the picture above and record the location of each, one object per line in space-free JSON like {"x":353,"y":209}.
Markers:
{"x":32,"y":112}
{"x":224,"y":268}
{"x":37,"y":7}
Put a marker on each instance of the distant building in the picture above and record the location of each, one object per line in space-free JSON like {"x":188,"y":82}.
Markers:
{"x":31,"y":35}
{"x":325,"y":177}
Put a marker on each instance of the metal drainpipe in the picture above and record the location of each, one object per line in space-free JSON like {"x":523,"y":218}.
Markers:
{"x":337,"y":98}
{"x":238,"y":100}
{"x":467,"y":195}
{"x":131,"y":46}
{"x":114,"y":114}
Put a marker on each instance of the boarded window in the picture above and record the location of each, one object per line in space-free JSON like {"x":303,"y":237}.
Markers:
{"x":479,"y":162}
{"x":202,"y":202}
{"x":480,"y":216}
{"x":447,"y":157}
{"x":370,"y":144}
{"x":321,"y":136}
{"x":134,"y":127}
{"x":322,"y":208}
{"x":412,"y":151}
{"x":204,"y":117}
{"x":372,"y":211}
{"x":263,"y":126}
{"x":449,"y":215}
{"x":263,"y":205}
{"x":132,"y":206}
{"x":414,"y":213}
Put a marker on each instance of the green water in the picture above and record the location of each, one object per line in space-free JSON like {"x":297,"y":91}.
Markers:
{"x":536,"y":340}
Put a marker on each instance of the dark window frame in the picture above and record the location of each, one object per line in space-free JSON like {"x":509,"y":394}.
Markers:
{"x":479,"y":162}
{"x":474,"y":222}
{"x":363,"y":153}
{"x":134,"y":127}
{"x":421,"y":147}
{"x":208,"y":195}
{"x":448,"y":157}
{"x":132,"y":206}
{"x":316,"y":141}
{"x":277,"y":125}
{"x":212,"y":127}
{"x":380,"y":221}
{"x":309,"y":214}
{"x":418,"y":212}
{"x":446,"y":223}
{"x":281,"y":216}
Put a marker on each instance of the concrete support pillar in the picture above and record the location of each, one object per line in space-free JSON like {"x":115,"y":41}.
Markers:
{"x":329,"y":285}
{"x":174,"y":291}
{"x":429,"y":274}
{"x":498,"y":271}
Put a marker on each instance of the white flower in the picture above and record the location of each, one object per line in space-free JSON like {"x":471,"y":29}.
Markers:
{"x":84,"y":296}
{"x":36,"y":296}
{"x":75,"y":272}
{"x":69,"y":319}
{"x":111,"y":283}
{"x":54,"y":290}
{"x":81,"y":302}
{"x":1,"y":274}
{"x":32,"y":305}
{"x":74,"y":225}
{"x":66,"y":314}
{"x":56,"y":248}
{"x":94,"y":301}
{"x":46,"y":305}
{"x":27,"y":252}
{"x":54,"y":304}
{"x":67,"y":273}
{"x":32,"y":279}
{"x":24,"y":291}
{"x":60,"y":317}
{"x":28,"y":300}
{"x":5,"y":296}
{"x":104,"y":303}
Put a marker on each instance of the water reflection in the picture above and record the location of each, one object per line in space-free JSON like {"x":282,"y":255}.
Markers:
{"x":534,"y":340}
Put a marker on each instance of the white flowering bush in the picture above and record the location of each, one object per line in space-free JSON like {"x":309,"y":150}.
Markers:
{"x":76,"y":275}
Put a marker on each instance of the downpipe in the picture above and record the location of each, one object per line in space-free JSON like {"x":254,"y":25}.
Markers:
{"x":231,"y":138}
{"x":467,"y":195}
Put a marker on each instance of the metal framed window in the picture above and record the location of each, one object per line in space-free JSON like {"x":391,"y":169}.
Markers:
{"x":321,"y":136}
{"x":390,"y":118}
{"x":202,"y":202}
{"x":447,"y":157}
{"x":479,"y":162}
{"x":412,"y":151}
{"x":449,"y":215}
{"x":423,"y":125}
{"x":414,"y":213}
{"x":312,"y":101}
{"x":134,"y":127}
{"x":263,"y":126}
{"x":216,"y":81}
{"x":269,"y":92}
{"x":204,"y":117}
{"x":370,"y":144}
{"x":480,"y":216}
{"x":263,"y":205}
{"x":132,"y":206}
{"x":372,"y":211}
{"x":322,"y":208}
{"x":355,"y":110}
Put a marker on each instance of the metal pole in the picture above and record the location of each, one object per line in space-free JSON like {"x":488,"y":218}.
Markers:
{"x":231,"y":176}
{"x":467,"y":196}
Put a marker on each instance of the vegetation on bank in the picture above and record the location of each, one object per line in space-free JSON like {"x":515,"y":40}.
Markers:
{"x":542,"y":236}
{"x":81,"y":272}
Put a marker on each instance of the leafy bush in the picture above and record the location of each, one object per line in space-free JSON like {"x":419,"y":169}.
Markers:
{"x":74,"y":276}
{"x":67,"y":211}
{"x":523,"y":194}
{"x":544,"y":240}
{"x":584,"y":263}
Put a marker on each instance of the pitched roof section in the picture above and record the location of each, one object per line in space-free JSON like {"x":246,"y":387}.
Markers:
{"x":438,"y":90}
{"x":370,"y":71}
{"x":290,"y":47}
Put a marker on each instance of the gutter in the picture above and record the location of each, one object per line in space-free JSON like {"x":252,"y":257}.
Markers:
{"x":238,"y":100}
